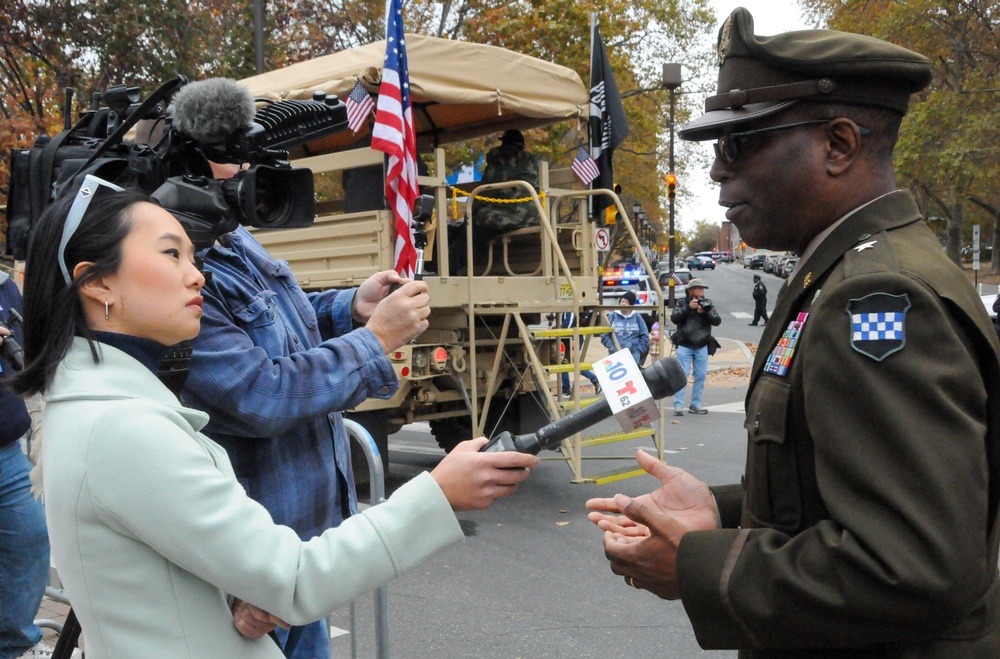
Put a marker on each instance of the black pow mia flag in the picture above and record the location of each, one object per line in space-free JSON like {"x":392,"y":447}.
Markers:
{"x":878,"y":324}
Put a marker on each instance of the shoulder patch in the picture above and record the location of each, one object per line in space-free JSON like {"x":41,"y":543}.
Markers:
{"x":878,"y":324}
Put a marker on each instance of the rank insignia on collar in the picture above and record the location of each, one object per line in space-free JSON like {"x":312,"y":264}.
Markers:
{"x":878,"y":324}
{"x":780,"y":359}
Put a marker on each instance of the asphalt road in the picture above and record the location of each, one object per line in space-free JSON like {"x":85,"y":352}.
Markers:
{"x":531,"y":579}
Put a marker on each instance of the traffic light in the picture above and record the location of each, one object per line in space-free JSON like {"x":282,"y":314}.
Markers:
{"x":671,"y":186}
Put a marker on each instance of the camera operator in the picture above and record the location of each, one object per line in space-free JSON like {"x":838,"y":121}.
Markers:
{"x":274,"y":367}
{"x":694,"y":317}
{"x":24,"y":541}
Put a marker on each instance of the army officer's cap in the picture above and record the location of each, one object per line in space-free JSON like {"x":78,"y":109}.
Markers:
{"x":762,"y":75}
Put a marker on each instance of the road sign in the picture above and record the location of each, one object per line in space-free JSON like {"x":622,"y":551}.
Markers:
{"x":602,"y":239}
{"x":975,"y":247}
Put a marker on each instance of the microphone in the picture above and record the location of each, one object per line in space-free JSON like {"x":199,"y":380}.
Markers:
{"x":664,"y":378}
{"x":211,"y":111}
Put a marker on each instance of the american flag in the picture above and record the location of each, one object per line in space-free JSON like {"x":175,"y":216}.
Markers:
{"x":359,"y":104}
{"x":585,"y":167}
{"x":394,"y":135}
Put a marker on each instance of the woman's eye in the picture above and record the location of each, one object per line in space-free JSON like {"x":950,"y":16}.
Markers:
{"x":173,"y":253}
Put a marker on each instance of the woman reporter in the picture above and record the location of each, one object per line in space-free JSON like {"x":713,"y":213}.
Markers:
{"x":153,"y":537}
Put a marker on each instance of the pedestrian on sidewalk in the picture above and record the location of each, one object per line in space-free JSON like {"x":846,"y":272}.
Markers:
{"x":570,"y":319}
{"x":759,"y":300}
{"x":694,"y":317}
{"x":24,"y":540}
{"x":629,"y":329}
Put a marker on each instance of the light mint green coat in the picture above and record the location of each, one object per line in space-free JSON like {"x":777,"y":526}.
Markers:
{"x":151,"y":532}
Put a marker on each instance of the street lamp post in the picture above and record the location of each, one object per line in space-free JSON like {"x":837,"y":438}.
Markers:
{"x":671,"y":80}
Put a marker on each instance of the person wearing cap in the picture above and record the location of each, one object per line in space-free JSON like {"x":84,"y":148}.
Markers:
{"x":628,"y":329}
{"x":506,"y":162}
{"x":865,"y":524}
{"x":694,"y":317}
{"x":759,"y":301}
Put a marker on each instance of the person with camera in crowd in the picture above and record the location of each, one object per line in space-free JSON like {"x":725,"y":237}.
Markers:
{"x":24,"y":540}
{"x":629,"y":330}
{"x":694,"y":317}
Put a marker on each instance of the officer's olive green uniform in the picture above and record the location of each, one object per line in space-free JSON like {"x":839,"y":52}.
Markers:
{"x":864,"y":517}
{"x":866,"y":524}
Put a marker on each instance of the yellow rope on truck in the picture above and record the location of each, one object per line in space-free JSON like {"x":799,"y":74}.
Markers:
{"x":456,"y":193}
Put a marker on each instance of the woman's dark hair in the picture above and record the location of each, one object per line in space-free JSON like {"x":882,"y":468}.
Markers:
{"x":53,"y":312}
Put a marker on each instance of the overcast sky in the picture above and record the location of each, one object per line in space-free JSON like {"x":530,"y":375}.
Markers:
{"x":769,"y":17}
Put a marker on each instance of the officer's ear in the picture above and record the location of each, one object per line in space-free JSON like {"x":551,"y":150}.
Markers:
{"x":843,"y":145}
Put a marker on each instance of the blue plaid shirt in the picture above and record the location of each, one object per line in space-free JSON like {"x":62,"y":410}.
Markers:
{"x":273,"y":366}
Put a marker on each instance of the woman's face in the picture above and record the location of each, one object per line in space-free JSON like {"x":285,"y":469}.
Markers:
{"x":156,"y":292}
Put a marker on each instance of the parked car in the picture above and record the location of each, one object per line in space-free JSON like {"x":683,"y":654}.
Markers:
{"x":770,"y":261}
{"x":754,"y":261}
{"x":701,"y":263}
{"x":787,"y":267}
{"x":988,"y":301}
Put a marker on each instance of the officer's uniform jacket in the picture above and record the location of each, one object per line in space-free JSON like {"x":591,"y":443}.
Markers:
{"x":866,"y":524}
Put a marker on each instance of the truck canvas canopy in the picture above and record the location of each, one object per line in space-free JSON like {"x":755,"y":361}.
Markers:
{"x":459,"y":90}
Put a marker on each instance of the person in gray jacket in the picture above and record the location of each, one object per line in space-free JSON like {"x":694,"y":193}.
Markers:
{"x":161,"y":551}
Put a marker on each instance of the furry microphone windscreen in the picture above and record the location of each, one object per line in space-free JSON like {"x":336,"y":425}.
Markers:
{"x":211,"y":111}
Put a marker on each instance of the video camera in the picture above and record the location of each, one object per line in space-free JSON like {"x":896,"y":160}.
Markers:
{"x":705,"y":303}
{"x":174,"y":170}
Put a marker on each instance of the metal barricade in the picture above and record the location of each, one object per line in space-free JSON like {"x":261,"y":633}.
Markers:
{"x":377,"y":484}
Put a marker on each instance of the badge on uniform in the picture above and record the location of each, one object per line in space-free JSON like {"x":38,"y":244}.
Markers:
{"x":878,"y":324}
{"x":780,"y":358}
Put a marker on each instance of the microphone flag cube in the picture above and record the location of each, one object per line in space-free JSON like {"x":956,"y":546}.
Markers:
{"x":626,"y":391}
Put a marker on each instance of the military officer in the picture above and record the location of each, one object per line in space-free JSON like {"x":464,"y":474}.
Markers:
{"x":866,"y":522}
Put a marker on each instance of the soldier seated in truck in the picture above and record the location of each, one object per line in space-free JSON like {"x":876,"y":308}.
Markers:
{"x":507,"y":162}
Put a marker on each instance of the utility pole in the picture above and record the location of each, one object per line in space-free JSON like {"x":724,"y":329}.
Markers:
{"x":671,"y":80}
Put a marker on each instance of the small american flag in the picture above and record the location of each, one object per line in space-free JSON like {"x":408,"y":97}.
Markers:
{"x":359,"y":105}
{"x":585,"y":167}
{"x":394,"y":135}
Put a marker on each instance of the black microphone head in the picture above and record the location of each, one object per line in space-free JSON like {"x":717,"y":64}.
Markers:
{"x":664,"y":377}
{"x":211,"y":111}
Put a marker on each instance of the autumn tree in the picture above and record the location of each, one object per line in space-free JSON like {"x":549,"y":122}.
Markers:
{"x":49,"y":45}
{"x":948,"y":148}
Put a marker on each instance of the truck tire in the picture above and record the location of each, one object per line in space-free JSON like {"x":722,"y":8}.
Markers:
{"x":525,"y":414}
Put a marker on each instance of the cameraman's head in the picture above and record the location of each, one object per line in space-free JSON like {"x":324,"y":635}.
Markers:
{"x":696,"y":289}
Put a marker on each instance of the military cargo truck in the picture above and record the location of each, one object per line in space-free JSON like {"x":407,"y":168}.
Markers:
{"x":487,"y":362}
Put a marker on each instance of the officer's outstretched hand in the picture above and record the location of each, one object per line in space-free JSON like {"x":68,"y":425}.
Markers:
{"x":473,"y":481}
{"x":641,"y":535}
{"x":401,"y":316}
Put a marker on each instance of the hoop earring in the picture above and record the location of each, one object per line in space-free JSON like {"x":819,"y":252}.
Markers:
{"x":105,"y":310}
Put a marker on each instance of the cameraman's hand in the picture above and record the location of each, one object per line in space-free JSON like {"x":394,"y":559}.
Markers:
{"x":401,"y":316}
{"x":4,"y":332}
{"x":694,"y":305}
{"x":473,"y":481}
{"x":372,"y":291}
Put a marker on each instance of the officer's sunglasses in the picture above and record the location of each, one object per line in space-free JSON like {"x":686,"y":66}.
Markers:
{"x":727,"y":147}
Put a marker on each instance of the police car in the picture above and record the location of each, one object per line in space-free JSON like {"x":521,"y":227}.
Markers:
{"x":617,"y":280}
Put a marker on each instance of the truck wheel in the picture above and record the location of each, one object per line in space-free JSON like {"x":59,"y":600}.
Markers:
{"x":452,"y":431}
{"x":525,"y":414}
